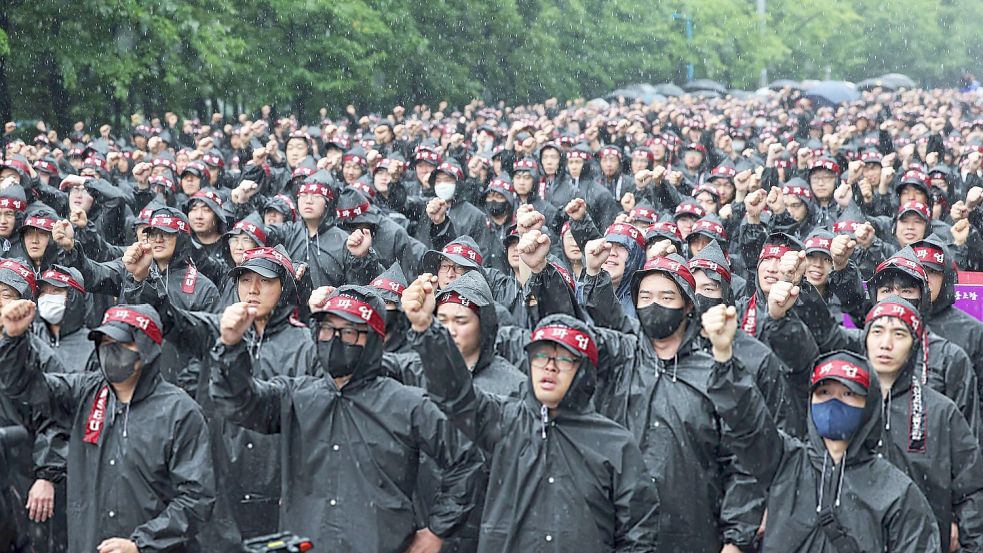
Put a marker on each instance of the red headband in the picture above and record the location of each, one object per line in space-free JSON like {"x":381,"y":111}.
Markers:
{"x":17,"y":164}
{"x":136,"y":320}
{"x":570,"y":337}
{"x":462,"y":250}
{"x":270,"y":254}
{"x":209,"y":195}
{"x":897,"y":261}
{"x":357,"y":307}
{"x":64,"y":278}
{"x":169,"y":222}
{"x":246,"y":226}
{"x":353,"y":157}
{"x":799,"y":191}
{"x":352,"y":212}
{"x":578,"y":154}
{"x":628,"y":231}
{"x":917,"y":207}
{"x":643,"y":213}
{"x":817,"y":243}
{"x":667,"y":265}
{"x":664,"y":226}
{"x":315,"y":188}
{"x":389,"y":285}
{"x":846,"y":227}
{"x":13,"y":203}
{"x":565,"y":275}
{"x":609,"y":151}
{"x":711,"y":226}
{"x":25,"y":273}
{"x":773,"y":251}
{"x":454,"y":297}
{"x":708,"y":265}
{"x":891,"y":309}
{"x":691,"y":209}
{"x":40,"y":222}
{"x":929,"y":254}
{"x":841,"y":369}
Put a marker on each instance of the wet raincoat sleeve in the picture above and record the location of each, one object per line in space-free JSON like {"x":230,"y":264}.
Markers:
{"x":244,"y":400}
{"x":476,"y":414}
{"x":192,"y":477}
{"x":460,"y":462}
{"x":909,"y":525}
{"x":753,"y":434}
{"x":100,"y":278}
{"x":967,"y":484}
{"x":52,"y":396}
{"x":552,"y":294}
{"x":603,"y":306}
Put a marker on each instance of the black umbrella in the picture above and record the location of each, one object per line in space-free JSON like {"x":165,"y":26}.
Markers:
{"x":705,"y":84}
{"x":784,"y":83}
{"x":832,"y":93}
{"x":899,"y":80}
{"x":668,"y":89}
{"x":871,"y":84}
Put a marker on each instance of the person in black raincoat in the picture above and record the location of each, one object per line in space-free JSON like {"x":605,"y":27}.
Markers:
{"x":924,"y":433}
{"x":351,"y":438}
{"x":248,"y":462}
{"x":462,"y":255}
{"x":36,"y":474}
{"x":141,"y":443}
{"x":950,"y":371}
{"x":35,"y":237}
{"x":626,"y":245}
{"x":563,"y":477}
{"x":713,"y":278}
{"x":829,"y":493}
{"x":579,"y":183}
{"x":317,"y":240}
{"x":61,"y":316}
{"x":13,"y":207}
{"x":652,"y":381}
{"x":945,"y":319}
{"x":389,"y":286}
{"x":836,"y":278}
{"x":207,"y":216}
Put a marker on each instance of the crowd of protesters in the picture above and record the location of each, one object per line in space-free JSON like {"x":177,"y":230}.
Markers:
{"x":702,"y":325}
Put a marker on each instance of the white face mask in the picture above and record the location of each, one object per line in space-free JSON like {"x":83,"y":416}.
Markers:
{"x":444,"y":191}
{"x":51,"y":307}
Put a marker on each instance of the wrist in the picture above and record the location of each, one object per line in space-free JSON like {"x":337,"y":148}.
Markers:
{"x":723,"y":354}
{"x":422,"y":326}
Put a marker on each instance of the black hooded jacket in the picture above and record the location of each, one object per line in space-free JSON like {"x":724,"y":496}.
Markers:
{"x":147,"y":478}
{"x":350,"y":456}
{"x":571,"y":480}
{"x":872,"y":501}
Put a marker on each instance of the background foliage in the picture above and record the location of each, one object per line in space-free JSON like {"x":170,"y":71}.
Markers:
{"x":104,"y":59}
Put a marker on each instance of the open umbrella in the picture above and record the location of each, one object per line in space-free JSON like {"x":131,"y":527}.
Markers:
{"x":871,"y":84}
{"x":705,"y":84}
{"x":626,"y":93}
{"x":832,"y":93}
{"x":899,"y":80}
{"x":783,"y":83}
{"x":668,"y":89}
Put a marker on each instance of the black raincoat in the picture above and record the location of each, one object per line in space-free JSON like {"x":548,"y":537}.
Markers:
{"x":569,"y":481}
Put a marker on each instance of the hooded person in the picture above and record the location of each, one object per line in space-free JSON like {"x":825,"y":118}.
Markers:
{"x":36,"y":243}
{"x":830,"y":492}
{"x":61,"y":316}
{"x":650,"y":381}
{"x":500,"y":203}
{"x":278,"y":345}
{"x":462,"y":255}
{"x":612,"y":176}
{"x":543,"y":446}
{"x":209,"y":221}
{"x":869,"y":254}
{"x":627,"y":247}
{"x":838,"y":281}
{"x":157,"y":495}
{"x":13,"y":208}
{"x":949,"y":370}
{"x":945,"y":319}
{"x":18,"y":166}
{"x":278,"y":210}
{"x":799,"y":216}
{"x":924,"y":433}
{"x":331,"y":423}
{"x":526,"y":183}
{"x":317,"y":240}
{"x":245,"y":235}
{"x":578,"y":183}
{"x":709,"y":229}
{"x":714,"y":286}
{"x":390,"y":240}
{"x":390,"y":190}
{"x":772,"y":320}
{"x":824,"y":178}
{"x":389,"y":286}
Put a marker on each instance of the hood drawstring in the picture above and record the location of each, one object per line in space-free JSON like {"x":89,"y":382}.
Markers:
{"x":254,"y":346}
{"x":675,"y":365}
{"x":822,"y":483}
{"x":544,"y":415}
{"x":839,"y":488}
{"x":886,"y":412}
{"x":126,"y":419}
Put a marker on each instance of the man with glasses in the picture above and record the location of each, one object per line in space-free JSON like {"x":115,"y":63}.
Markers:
{"x":351,"y":438}
{"x":565,"y":478}
{"x":824,"y":175}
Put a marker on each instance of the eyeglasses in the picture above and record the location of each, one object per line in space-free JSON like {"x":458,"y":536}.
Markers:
{"x":563,"y":363}
{"x":446,"y":268}
{"x":348,"y":335}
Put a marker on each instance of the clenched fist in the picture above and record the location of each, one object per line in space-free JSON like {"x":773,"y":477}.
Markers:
{"x":781,"y":298}
{"x":841,"y":249}
{"x":17,"y":316}
{"x":359,"y":243}
{"x":533,"y":248}
{"x":597,"y":252}
{"x":576,"y":209}
{"x":319,"y":297}
{"x":137,"y":259}
{"x":63,"y":233}
{"x":236,"y":319}
{"x":419,"y":302}
{"x":720,"y":326}
{"x":437,"y":211}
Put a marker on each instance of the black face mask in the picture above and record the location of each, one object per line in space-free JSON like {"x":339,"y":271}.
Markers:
{"x":496,"y":208}
{"x":338,"y":358}
{"x":704,"y":304}
{"x":117,"y":362}
{"x":659,"y":322}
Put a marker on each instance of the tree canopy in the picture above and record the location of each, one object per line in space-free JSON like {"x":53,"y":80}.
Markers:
{"x":103,"y":59}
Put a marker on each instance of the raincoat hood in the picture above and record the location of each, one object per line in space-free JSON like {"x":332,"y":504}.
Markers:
{"x":369,"y":363}
{"x":75,"y":309}
{"x":927,"y":251}
{"x":581,"y":391}
{"x":474,"y":288}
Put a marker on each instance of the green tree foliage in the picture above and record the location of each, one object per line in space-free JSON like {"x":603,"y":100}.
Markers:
{"x":104,"y":59}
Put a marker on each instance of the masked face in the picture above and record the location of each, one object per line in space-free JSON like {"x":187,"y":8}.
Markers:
{"x":51,"y":307}
{"x":661,"y":307}
{"x":118,"y":362}
{"x":338,"y":358}
{"x":444,"y":186}
{"x":836,"y":411}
